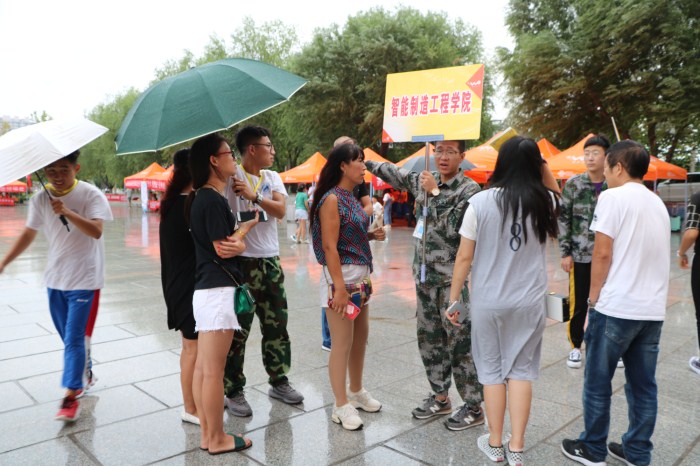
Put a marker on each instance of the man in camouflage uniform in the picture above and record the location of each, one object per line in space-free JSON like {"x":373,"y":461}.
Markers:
{"x":444,"y":348}
{"x":578,"y":201}
{"x":262,"y":190}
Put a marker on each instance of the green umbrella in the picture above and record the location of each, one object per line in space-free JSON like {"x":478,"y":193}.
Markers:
{"x":203,"y":100}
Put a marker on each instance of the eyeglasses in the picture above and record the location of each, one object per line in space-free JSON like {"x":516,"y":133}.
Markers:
{"x":228,"y":152}
{"x":269,"y":145}
{"x":440,"y":153}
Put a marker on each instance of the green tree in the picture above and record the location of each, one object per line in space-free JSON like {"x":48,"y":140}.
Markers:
{"x":578,"y":64}
{"x":347,"y":69}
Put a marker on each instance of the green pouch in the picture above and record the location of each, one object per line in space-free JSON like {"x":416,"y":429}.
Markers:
{"x":243,"y":301}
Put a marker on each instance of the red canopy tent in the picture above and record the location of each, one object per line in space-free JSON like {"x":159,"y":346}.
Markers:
{"x":14,"y":187}
{"x":160,"y":181}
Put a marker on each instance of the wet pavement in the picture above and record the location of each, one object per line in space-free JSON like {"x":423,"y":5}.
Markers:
{"x":132,"y":415}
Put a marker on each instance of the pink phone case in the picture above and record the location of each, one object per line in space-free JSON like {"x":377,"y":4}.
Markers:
{"x":352,"y":311}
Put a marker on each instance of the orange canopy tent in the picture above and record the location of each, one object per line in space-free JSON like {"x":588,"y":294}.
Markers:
{"x":376,"y":182}
{"x":547,"y":149}
{"x":668,"y":171}
{"x":14,"y":187}
{"x":134,"y":181}
{"x":307,"y":172}
{"x":484,"y":157}
{"x":570,"y":162}
{"x":160,"y":181}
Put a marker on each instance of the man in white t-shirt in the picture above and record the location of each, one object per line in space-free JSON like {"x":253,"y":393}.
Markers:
{"x":626,"y":309}
{"x":257,"y":189}
{"x":75,"y":269}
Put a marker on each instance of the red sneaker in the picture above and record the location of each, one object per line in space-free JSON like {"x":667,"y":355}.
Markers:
{"x":70,"y":410}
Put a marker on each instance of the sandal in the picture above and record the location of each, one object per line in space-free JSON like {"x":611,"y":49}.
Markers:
{"x":239,"y":445}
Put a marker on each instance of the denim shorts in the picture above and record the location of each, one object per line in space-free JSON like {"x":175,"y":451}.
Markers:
{"x":213,"y":309}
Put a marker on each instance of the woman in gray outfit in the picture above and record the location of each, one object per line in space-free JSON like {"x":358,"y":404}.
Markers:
{"x":504,"y":234}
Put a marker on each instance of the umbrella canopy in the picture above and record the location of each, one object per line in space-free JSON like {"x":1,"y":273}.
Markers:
{"x":134,"y":181}
{"x":307,"y":172}
{"x":29,"y":148}
{"x":203,"y":100}
{"x":419,"y":153}
{"x":14,"y":187}
{"x":547,"y":149}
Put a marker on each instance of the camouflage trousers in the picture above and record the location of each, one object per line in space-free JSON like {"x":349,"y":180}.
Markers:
{"x":444,"y":348}
{"x":266,"y":281}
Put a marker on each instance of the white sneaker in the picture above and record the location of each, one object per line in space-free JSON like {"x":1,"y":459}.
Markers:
{"x":347,"y":417}
{"x":694,"y":364}
{"x":620,"y":364}
{"x":187,"y":417}
{"x":574,"y":360}
{"x":364,"y":401}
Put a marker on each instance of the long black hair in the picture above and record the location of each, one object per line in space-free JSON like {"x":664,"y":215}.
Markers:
{"x":518,"y":173}
{"x":200,"y":165}
{"x":180,"y":179}
{"x":331,"y":173}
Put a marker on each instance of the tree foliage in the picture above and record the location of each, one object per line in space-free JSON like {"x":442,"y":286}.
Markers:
{"x":577,"y":64}
{"x":347,"y":68}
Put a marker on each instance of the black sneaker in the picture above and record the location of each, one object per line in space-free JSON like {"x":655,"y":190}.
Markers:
{"x":616,"y":451}
{"x":432,"y":407}
{"x":577,"y":451}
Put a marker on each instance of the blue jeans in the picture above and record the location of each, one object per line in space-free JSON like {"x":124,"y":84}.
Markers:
{"x":70,"y":311}
{"x":637,"y":343}
{"x":325,"y":331}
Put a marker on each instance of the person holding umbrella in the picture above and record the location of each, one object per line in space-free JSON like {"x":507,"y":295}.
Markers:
{"x":217,"y":243}
{"x":75,"y":269}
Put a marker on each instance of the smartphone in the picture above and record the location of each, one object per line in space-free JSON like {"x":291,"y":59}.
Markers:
{"x":250,"y":215}
{"x":353,"y":308}
{"x":457,"y":306}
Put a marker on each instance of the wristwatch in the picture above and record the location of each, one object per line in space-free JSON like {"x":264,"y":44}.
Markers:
{"x":258,"y":198}
{"x":591,"y":303}
{"x":435,"y":191}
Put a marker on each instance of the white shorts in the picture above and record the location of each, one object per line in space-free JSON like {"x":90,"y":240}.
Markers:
{"x":351,"y":274}
{"x":301,"y":214}
{"x":213,"y":310}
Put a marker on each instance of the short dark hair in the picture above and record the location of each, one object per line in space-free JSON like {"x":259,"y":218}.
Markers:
{"x":632,"y":155}
{"x":72,"y":157}
{"x":461,"y":144}
{"x":249,"y":135}
{"x":301,"y":187}
{"x":597,"y":140}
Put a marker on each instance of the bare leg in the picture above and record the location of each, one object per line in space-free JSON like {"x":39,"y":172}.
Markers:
{"x":519,"y":401}
{"x":301,"y":230}
{"x":341,"y":336}
{"x":495,"y":401}
{"x":211,"y":360}
{"x":356,"y":363}
{"x":188,"y":358}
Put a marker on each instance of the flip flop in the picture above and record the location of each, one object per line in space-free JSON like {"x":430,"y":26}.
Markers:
{"x":239,"y":445}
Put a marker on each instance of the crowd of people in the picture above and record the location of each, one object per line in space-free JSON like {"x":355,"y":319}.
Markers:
{"x":220,"y":267}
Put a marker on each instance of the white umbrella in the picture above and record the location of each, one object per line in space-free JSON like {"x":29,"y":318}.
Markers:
{"x":29,"y":148}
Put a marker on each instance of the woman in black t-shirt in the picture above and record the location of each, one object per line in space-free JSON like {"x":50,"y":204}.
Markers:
{"x":216,"y":246}
{"x":177,"y":274}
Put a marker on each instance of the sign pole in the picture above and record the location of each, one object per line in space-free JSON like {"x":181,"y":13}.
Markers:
{"x":425,"y":216}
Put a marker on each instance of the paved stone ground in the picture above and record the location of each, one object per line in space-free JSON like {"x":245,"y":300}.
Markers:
{"x":132,"y":415}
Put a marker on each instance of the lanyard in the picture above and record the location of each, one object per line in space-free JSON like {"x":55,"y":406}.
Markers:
{"x":253,"y":185}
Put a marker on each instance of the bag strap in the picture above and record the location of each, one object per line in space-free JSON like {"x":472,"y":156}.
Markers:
{"x":235,"y":282}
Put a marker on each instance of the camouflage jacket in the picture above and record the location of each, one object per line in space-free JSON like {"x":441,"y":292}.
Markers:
{"x":578,"y":201}
{"x":445,"y":214}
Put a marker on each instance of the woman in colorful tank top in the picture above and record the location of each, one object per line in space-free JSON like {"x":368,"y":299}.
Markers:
{"x":341,"y":244}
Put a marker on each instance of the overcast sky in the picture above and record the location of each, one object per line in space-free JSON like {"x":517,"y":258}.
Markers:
{"x":65,"y":57}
